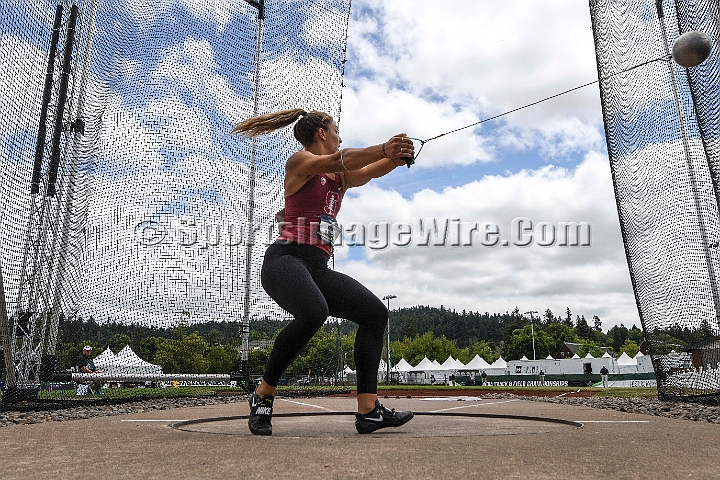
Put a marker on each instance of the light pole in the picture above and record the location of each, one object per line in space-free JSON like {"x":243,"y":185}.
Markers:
{"x":532,"y":329}
{"x":388,"y":298}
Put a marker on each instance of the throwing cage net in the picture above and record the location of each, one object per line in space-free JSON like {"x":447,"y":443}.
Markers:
{"x":662,"y":123}
{"x":126,"y":204}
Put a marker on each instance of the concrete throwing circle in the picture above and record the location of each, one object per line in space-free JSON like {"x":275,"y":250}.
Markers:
{"x":425,"y":424}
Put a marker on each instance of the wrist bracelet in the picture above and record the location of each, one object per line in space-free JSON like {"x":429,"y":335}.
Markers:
{"x":383,"y":147}
{"x":341,"y":161}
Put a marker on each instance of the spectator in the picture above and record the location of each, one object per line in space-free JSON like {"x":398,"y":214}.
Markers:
{"x":483,"y":378}
{"x":472,"y":378}
{"x":85,"y":364}
{"x":604,"y":375}
{"x":542,"y":378}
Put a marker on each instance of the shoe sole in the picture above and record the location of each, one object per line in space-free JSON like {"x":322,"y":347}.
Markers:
{"x":263,"y":434}
{"x":254,"y":431}
{"x":375,"y":427}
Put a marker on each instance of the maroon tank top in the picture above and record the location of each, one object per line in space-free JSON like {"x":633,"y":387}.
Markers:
{"x":310,"y":213}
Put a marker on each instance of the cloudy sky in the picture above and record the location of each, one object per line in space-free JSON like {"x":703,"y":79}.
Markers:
{"x":423,"y":68}
{"x":418,"y":67}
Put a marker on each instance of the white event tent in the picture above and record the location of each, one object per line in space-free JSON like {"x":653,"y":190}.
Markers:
{"x":431,"y":371}
{"x":402,"y":366}
{"x":477,"y":363}
{"x":126,"y":362}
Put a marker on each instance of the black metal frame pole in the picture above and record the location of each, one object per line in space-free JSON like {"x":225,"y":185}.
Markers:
{"x":245,"y":327}
{"x":42,"y":130}
{"x":260,"y":5}
{"x":62,"y":100}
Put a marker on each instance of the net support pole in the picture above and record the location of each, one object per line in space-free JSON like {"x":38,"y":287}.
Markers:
{"x":42,"y":129}
{"x":62,"y":99}
{"x":387,"y":366}
{"x":245,"y":328}
{"x":691,"y":168}
{"x":10,"y":380}
{"x":64,"y":238}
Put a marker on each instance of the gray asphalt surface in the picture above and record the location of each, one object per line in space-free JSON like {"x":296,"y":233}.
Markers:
{"x":610,"y":444}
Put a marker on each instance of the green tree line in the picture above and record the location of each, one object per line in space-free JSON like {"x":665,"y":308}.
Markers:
{"x":415,"y":332}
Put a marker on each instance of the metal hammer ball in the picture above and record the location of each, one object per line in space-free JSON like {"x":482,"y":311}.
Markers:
{"x":691,"y":49}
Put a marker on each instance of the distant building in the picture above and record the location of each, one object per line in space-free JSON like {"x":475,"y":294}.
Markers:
{"x":260,"y":344}
{"x":568,"y":350}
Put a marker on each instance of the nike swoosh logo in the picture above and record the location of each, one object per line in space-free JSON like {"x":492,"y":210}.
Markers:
{"x":375,"y":419}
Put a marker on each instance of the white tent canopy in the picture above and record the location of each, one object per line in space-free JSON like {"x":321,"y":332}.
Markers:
{"x":105,"y":359}
{"x":625,"y":359}
{"x":126,"y":362}
{"x":458,"y":365}
{"x":477,"y":363}
{"x":499,"y":363}
{"x":403,"y":366}
{"x":425,"y":365}
{"x":449,"y":364}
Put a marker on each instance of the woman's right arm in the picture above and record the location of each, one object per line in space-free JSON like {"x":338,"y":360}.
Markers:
{"x":305,"y":163}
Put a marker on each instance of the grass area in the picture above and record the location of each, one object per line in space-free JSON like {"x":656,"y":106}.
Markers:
{"x":648,"y":392}
{"x":170,"y":392}
{"x":176,"y":392}
{"x":112,"y":393}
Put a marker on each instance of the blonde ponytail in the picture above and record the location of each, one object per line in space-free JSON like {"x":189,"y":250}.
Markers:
{"x":260,"y":125}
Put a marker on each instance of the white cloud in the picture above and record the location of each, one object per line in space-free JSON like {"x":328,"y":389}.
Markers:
{"x":21,"y":83}
{"x":479,"y":59}
{"x":221,"y":12}
{"x":590,"y":280}
{"x":284,"y":87}
{"x":322,"y":27}
{"x":512,"y":50}
{"x":191,"y":66}
{"x":376,"y":111}
{"x":417,"y":66}
{"x":145,"y":12}
{"x":202,"y":186}
{"x":556,"y":139}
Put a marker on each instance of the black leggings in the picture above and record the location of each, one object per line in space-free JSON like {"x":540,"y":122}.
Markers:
{"x":297,"y":277}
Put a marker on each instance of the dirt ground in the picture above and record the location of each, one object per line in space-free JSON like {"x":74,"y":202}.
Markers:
{"x":457,"y":437}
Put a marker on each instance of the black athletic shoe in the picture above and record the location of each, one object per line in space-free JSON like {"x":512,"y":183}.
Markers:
{"x":260,"y":414}
{"x":380,"y":417}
